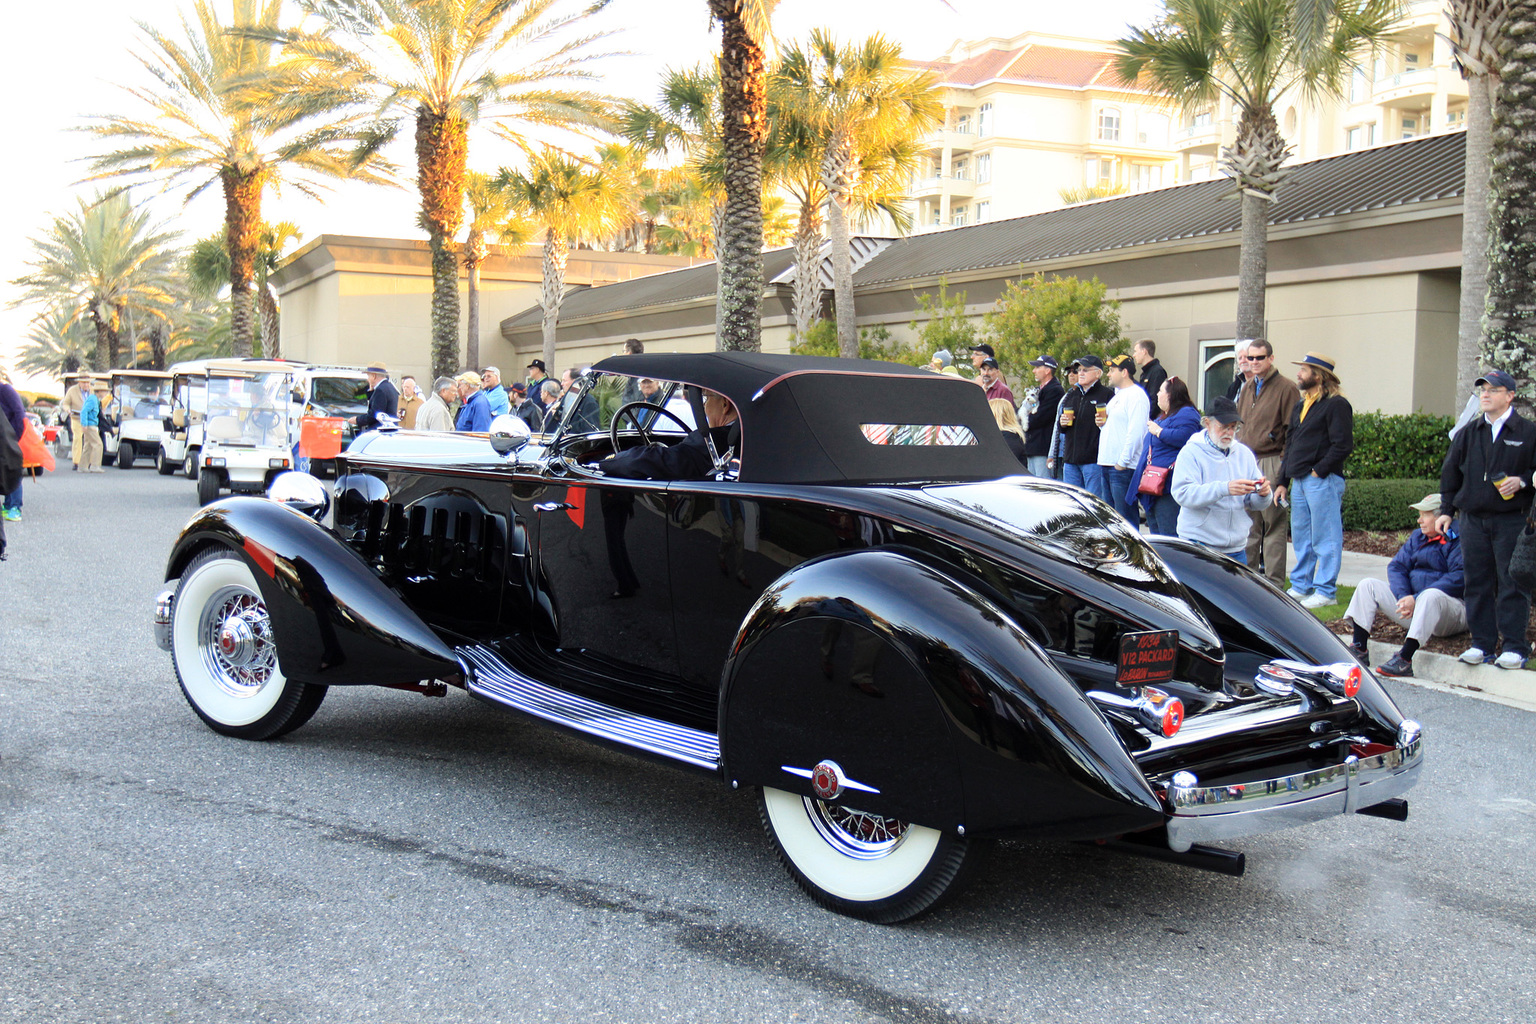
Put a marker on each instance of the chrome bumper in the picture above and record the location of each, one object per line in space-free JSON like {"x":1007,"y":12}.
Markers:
{"x":1206,"y":813}
{"x":163,"y":619}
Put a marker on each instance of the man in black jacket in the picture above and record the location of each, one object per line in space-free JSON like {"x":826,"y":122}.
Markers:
{"x":1487,"y":478}
{"x":382,"y":398}
{"x":1041,"y":416}
{"x":1080,"y":427}
{"x":1319,"y":438}
{"x":1149,"y":370}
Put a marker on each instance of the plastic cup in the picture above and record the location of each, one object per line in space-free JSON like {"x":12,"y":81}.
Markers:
{"x":1068,"y":417}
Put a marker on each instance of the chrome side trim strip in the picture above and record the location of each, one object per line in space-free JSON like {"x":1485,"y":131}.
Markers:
{"x":163,"y":618}
{"x":490,"y":677}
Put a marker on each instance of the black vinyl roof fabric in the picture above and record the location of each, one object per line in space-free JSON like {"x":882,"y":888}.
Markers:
{"x":809,"y":419}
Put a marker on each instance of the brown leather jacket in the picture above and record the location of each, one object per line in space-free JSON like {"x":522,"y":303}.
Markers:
{"x":1266,"y":414}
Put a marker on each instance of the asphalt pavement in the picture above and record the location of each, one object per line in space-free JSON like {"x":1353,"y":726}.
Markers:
{"x":403,"y":858}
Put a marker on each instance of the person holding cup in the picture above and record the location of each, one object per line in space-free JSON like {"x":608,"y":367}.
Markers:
{"x":1080,"y":427}
{"x":1486,"y":477}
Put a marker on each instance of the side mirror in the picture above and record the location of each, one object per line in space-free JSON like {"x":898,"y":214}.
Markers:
{"x":508,"y":434}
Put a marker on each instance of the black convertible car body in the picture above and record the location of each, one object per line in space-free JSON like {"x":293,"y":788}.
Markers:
{"x":861,"y":612}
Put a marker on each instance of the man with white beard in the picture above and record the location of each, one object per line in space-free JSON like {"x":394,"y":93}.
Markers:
{"x":1217,"y":482}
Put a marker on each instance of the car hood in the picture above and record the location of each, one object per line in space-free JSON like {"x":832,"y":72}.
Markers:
{"x":1077,"y":543}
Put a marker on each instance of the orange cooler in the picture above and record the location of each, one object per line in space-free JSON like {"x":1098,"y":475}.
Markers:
{"x":320,"y":436}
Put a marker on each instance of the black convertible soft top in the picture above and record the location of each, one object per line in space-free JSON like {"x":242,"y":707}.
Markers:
{"x":818,"y":420}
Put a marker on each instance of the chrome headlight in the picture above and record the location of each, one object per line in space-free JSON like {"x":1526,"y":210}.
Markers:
{"x":302,"y":492}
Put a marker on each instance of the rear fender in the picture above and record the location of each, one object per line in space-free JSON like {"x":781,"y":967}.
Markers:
{"x":336,"y":623}
{"x":925,"y":691}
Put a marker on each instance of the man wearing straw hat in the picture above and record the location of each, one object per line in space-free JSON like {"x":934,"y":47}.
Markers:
{"x":1319,"y":438}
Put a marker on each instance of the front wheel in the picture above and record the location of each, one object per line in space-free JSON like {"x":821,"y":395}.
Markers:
{"x":125,"y":453}
{"x":226,"y":656}
{"x":163,"y":465}
{"x":865,"y":865}
{"x":189,"y":464}
{"x":207,"y":486}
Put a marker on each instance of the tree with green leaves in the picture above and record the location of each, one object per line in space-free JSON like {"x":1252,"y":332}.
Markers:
{"x":1064,"y":317}
{"x":943,"y":323}
{"x":1510,"y":324}
{"x":490,"y":215}
{"x":103,"y":262}
{"x":208,"y":272}
{"x":58,"y":343}
{"x":860,"y":106}
{"x":1251,"y":52}
{"x":227,"y":106}
{"x":568,"y":202}
{"x":445,"y":65}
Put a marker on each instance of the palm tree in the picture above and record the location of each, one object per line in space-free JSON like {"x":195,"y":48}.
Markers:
{"x":229,"y":107}
{"x":103,"y":261}
{"x":445,"y":64}
{"x":744,"y":33}
{"x":1251,"y":52}
{"x":58,"y":343}
{"x":1475,"y":29}
{"x":570,"y":203}
{"x":1511,"y":319}
{"x":490,"y":213}
{"x":860,"y":106}
{"x":208,"y":272}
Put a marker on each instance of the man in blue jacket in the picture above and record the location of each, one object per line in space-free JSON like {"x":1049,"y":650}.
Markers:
{"x":1423,"y":591}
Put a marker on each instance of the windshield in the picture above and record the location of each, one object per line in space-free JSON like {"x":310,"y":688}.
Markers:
{"x":142,"y":398}
{"x":331,"y":396}
{"x":609,"y":392}
{"x":249,"y":409}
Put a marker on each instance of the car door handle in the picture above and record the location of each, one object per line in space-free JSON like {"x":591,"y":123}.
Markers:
{"x":552,"y":506}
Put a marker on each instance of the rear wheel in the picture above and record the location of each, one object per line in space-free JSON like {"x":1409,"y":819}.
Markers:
{"x":226,"y":656}
{"x":207,"y":486}
{"x":189,"y":464}
{"x":865,"y":865}
{"x":163,"y":465}
{"x":125,"y":453}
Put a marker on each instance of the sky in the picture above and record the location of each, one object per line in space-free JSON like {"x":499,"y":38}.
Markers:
{"x":65,"y":61}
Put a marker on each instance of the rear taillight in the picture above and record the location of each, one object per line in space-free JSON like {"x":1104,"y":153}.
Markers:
{"x":1151,"y":707}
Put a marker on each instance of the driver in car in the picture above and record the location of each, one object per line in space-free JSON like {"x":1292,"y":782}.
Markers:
{"x":692,"y":458}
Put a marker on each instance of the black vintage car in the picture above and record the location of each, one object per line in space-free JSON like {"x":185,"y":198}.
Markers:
{"x":845,"y":601}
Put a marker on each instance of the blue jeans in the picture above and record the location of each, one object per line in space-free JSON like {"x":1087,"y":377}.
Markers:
{"x":1240,"y":555}
{"x":1037,"y":465}
{"x":1089,"y":476}
{"x":1117,"y":482}
{"x":13,"y":500}
{"x":1164,"y":517}
{"x":1317,"y":531}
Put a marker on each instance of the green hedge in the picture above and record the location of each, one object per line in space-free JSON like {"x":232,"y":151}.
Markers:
{"x":1398,"y":447}
{"x":1383,"y":504}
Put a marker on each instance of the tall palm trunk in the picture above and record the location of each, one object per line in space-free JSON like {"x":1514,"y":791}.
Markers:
{"x":157,"y":339}
{"x":807,"y":270}
{"x":442,"y":151}
{"x":106,"y":342}
{"x":1474,"y":233}
{"x":1511,"y":319}
{"x":1256,"y":163}
{"x":557,"y":252}
{"x":739,"y":245}
{"x":242,"y":234}
{"x":475,"y":252}
{"x":271,"y":322}
{"x":838,"y":169}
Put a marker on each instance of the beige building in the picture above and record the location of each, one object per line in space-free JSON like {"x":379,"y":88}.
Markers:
{"x":350,"y":300}
{"x":1030,"y":116}
{"x":1364,"y":256}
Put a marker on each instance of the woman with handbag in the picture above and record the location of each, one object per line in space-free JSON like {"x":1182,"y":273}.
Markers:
{"x":1177,"y":422}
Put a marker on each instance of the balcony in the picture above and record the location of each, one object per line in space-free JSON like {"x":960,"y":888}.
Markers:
{"x":1408,"y":87}
{"x":1197,"y":138}
{"x":960,"y":140}
{"x":927,"y":188}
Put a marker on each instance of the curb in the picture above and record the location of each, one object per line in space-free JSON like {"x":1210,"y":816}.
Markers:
{"x":1514,"y":688}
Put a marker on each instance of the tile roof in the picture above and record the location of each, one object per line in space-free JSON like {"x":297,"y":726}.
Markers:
{"x":1034,"y":63}
{"x":1419,"y":170}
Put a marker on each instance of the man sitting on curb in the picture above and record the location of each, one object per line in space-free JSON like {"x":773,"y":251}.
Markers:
{"x":1423,"y":591}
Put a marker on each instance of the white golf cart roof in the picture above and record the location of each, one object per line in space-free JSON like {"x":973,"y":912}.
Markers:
{"x":247,"y":367}
{"x":160,"y":374}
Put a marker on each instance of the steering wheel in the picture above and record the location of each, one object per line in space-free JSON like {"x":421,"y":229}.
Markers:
{"x":643,"y":428}
{"x":265,"y":420}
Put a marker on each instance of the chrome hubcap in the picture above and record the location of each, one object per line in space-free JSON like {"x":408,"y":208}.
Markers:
{"x":236,"y":641}
{"x":854,"y":833}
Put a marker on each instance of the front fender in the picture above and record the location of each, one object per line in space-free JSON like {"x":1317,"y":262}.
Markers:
{"x":927,"y":692}
{"x":335,"y":622}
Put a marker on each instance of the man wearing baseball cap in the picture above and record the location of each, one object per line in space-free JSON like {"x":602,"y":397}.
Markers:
{"x":1041,"y":405}
{"x":1486,"y":478}
{"x":1422,"y":591}
{"x":1080,"y":427}
{"x":1318,"y":439}
{"x":979,"y":354}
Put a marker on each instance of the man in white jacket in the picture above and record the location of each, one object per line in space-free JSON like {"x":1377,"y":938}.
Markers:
{"x":1217,"y":482}
{"x":1125,"y":431}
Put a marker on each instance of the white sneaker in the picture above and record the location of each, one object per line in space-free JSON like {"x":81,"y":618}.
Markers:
{"x":1471,"y":656}
{"x":1510,"y":659}
{"x":1316,"y":600}
{"x":1298,"y":595}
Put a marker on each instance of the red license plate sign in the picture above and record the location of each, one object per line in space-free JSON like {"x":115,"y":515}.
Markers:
{"x":1147,"y":657}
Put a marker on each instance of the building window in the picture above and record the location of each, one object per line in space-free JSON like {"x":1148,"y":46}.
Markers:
{"x":1359,"y":87}
{"x":1370,"y":134}
{"x":1100,"y":170}
{"x":984,"y":120}
{"x":983,"y":211}
{"x":1354,"y":138}
{"x":1218,"y":368}
{"x":957,"y":217}
{"x":1410,"y":127}
{"x":1201,"y":120}
{"x":1410,"y":62}
{"x":1145,"y":176}
{"x":960,"y":169}
{"x":963,"y":124}
{"x":1109,"y":124}
{"x":984,"y":167}
{"x":1456,"y":118}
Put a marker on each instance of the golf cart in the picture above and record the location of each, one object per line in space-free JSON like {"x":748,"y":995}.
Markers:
{"x":246,"y":433}
{"x":339,"y":392}
{"x":181,"y":442}
{"x":141,"y":399}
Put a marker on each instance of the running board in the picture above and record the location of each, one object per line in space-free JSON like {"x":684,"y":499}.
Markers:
{"x":488,"y":676}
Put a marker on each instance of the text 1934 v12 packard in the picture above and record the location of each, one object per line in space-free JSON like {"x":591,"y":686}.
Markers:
{"x":843,"y":599}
